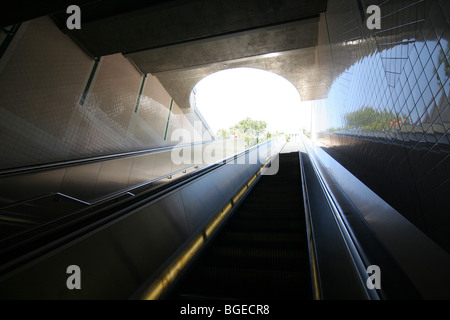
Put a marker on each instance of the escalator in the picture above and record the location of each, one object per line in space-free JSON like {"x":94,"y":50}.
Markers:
{"x":261,"y":252}
{"x":221,"y":231}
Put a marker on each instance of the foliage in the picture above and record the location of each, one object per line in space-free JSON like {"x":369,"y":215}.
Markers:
{"x":367,"y":118}
{"x":443,"y":57}
{"x":252,"y":131}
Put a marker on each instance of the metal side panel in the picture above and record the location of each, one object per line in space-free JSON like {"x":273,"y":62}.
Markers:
{"x":215,"y":190}
{"x":423,"y":261}
{"x":142,"y":170}
{"x":201,"y":200}
{"x":19,"y":188}
{"x":338,"y":273}
{"x":80,"y":181}
{"x":113,"y":260}
{"x":229,"y":182}
{"x":113,"y":176}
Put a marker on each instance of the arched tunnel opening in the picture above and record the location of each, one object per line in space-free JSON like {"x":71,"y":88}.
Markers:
{"x":226,"y":97}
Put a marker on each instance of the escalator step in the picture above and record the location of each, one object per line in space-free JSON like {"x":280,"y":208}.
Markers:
{"x":267,"y":239}
{"x":265,"y":225}
{"x":269,"y":198}
{"x":267,"y":258}
{"x":271,"y":183}
{"x":280,"y":210}
{"x":266,"y":213}
{"x":248,"y":283}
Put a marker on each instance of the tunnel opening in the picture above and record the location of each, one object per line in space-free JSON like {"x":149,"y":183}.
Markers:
{"x":226,"y":97}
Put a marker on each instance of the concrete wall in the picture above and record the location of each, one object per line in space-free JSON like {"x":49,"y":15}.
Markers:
{"x":57,"y":103}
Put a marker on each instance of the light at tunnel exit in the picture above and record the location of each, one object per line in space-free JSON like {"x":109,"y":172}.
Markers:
{"x":226,"y":97}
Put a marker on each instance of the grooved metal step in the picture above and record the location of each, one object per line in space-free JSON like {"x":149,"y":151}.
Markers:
{"x":265,"y":225}
{"x":245,"y":257}
{"x":267,"y":239}
{"x":241,"y":283}
{"x":267,"y":213}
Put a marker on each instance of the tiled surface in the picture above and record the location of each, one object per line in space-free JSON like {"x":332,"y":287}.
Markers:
{"x":43,"y":76}
{"x":56,"y":82}
{"x":115,"y":90}
{"x":399,"y":146}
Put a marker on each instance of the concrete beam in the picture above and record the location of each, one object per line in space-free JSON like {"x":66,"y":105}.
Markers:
{"x":180,"y":21}
{"x":297,"y":66}
{"x":279,"y":38}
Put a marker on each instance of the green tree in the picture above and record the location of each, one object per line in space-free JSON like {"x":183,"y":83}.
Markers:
{"x":442,"y":57}
{"x":252,"y":131}
{"x":367,"y":118}
{"x":223,"y":134}
{"x":259,"y":127}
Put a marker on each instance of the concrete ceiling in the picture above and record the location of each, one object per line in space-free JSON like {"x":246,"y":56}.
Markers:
{"x":182,"y":41}
{"x":253,"y":43}
{"x":297,"y":66}
{"x":166,"y":23}
{"x":288,"y":50}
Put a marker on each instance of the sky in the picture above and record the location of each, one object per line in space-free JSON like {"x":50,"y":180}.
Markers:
{"x":226,"y":97}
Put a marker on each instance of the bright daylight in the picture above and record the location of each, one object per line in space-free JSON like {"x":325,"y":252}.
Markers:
{"x":227,"y":97}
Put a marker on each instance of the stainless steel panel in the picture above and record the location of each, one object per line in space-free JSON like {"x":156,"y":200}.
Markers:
{"x":339,"y":278}
{"x":182,"y":157}
{"x":142,"y":169}
{"x":230,"y":178}
{"x":79,"y":181}
{"x":423,"y":260}
{"x":201,"y":200}
{"x":163,"y":163}
{"x":113,"y":177}
{"x":24,"y":216}
{"x":28,"y":186}
{"x":207,"y":196}
{"x":114,"y":261}
{"x":149,"y":236}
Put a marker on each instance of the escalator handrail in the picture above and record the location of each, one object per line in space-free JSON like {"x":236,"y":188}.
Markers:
{"x":82,"y":161}
{"x":108,"y":197}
